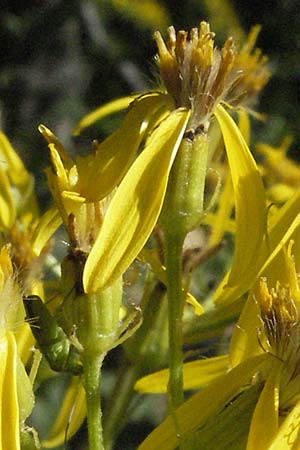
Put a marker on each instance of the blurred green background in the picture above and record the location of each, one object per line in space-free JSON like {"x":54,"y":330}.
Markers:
{"x":61,"y":59}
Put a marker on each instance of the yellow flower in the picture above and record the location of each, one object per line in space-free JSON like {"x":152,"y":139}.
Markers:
{"x":281,"y":226}
{"x":198,"y":77}
{"x":146,"y":13}
{"x":16,"y":195}
{"x":284,"y":225}
{"x":16,"y":395}
{"x":24,"y":231}
{"x":272,"y":325}
{"x":281,"y":174}
{"x":276,"y":315}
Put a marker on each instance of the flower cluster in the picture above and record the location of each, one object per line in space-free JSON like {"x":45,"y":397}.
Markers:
{"x":149,"y":207}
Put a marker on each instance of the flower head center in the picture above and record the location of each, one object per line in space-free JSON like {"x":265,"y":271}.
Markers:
{"x":279,"y":315}
{"x":198,"y":75}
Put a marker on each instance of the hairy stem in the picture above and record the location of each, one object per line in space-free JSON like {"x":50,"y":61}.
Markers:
{"x":92,"y":375}
{"x":173,"y":263}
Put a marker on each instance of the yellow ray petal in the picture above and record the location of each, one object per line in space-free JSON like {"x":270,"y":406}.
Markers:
{"x":7,"y":206}
{"x":250,"y":202}
{"x":135,"y":207}
{"x":283,"y":241}
{"x":9,"y":408}
{"x":144,"y":13}
{"x":244,"y":124}
{"x":47,"y":226}
{"x":288,"y":437}
{"x":151,"y":257}
{"x":284,"y":222}
{"x":213,"y":322}
{"x":102,"y":170}
{"x":195,"y":374}
{"x":206,"y":403}
{"x":70,"y":417}
{"x":104,"y":110}
{"x":25,"y":391}
{"x":244,"y":340}
{"x":198,"y":308}
{"x":15,"y":167}
{"x":280,"y":193}
{"x":264,"y":423}
{"x":221,"y":219}
{"x":281,"y":227}
{"x":55,"y":143}
{"x":61,"y":173}
{"x":228,"y":428}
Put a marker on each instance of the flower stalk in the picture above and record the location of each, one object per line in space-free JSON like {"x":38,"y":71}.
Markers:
{"x":182,"y":212}
{"x":97,"y":334}
{"x":173,"y":262}
{"x":92,"y":376}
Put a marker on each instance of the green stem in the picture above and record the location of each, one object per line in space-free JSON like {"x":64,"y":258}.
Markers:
{"x":144,"y":353}
{"x":97,"y":319}
{"x":92,"y":374}
{"x":116,"y":413}
{"x":173,"y":263}
{"x":182,"y":212}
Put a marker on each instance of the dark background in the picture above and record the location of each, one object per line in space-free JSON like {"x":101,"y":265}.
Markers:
{"x":60,"y":59}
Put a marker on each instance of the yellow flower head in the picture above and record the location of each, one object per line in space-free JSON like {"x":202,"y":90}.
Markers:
{"x":17,"y":199}
{"x":8,"y":292}
{"x":252,"y":68}
{"x":280,"y":331}
{"x":198,"y":75}
{"x":194,"y":72}
{"x":16,"y":395}
{"x":82,"y":218}
{"x":279,"y":317}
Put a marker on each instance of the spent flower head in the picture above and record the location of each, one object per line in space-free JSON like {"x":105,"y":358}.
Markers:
{"x":199,"y":75}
